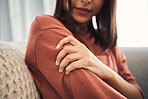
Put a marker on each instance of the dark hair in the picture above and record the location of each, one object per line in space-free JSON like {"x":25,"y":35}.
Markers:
{"x":106,"y":33}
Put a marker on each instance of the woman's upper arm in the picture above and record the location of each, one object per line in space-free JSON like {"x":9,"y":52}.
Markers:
{"x":80,"y":83}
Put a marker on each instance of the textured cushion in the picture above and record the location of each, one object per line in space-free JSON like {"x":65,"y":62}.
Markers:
{"x":15,"y":79}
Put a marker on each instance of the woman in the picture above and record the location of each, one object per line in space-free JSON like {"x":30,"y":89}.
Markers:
{"x":68,"y":58}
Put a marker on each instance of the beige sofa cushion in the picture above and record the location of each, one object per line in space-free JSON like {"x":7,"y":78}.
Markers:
{"x":15,"y":79}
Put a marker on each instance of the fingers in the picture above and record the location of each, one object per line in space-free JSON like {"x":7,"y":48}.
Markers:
{"x":67,"y":60}
{"x":73,"y":66}
{"x":69,"y":56}
{"x":69,"y":39}
{"x":66,"y":50}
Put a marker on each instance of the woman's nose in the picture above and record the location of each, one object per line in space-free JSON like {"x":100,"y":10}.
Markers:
{"x":86,"y":1}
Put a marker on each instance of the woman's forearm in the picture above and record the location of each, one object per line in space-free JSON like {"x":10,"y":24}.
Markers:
{"x":122,"y":86}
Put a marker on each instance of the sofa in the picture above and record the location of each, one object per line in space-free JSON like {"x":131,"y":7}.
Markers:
{"x":16,"y":81}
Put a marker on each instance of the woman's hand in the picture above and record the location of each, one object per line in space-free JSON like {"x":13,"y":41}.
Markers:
{"x":79,"y":56}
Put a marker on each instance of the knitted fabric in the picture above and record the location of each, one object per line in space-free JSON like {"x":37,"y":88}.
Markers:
{"x":16,"y":81}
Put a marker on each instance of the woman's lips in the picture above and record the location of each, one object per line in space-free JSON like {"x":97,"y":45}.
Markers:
{"x":83,"y":11}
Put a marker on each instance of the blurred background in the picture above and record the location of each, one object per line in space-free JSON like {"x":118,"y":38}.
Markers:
{"x":16,"y":17}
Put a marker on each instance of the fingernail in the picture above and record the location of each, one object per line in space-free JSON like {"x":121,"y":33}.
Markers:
{"x":60,"y":70}
{"x":57,"y":63}
{"x":57,"y":46}
{"x":67,"y":73}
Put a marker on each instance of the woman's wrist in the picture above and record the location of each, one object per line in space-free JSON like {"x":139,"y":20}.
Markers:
{"x":109,"y":74}
{"x":103,"y":71}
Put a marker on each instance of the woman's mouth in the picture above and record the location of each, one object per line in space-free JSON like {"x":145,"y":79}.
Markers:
{"x":83,"y":11}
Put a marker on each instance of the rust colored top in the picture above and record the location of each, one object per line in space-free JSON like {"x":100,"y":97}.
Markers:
{"x":45,"y":33}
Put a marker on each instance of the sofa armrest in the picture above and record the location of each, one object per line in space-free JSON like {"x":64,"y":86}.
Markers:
{"x":15,"y":78}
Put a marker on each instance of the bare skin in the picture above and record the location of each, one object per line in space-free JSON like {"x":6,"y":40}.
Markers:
{"x":79,"y":56}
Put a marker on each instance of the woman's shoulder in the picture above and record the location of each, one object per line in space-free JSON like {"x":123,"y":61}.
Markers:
{"x":118,"y":54}
{"x":117,"y":50}
{"x":47,"y":21}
